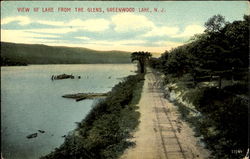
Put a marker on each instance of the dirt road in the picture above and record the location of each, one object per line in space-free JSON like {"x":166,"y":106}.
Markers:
{"x":161,"y":133}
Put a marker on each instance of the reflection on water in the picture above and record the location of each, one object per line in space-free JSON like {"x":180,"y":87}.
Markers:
{"x":31,"y":101}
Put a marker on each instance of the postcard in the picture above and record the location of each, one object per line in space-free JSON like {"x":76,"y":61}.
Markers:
{"x":124,"y":79}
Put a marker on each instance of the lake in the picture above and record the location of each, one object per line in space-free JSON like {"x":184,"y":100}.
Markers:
{"x":31,"y":101}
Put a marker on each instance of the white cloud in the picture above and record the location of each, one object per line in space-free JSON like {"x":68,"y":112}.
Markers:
{"x":190,"y":30}
{"x":21,"y":36}
{"x":126,"y":22}
{"x":162,"y":31}
{"x":91,"y":25}
{"x":22,"y":20}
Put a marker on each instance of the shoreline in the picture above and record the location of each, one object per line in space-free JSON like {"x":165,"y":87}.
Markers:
{"x":61,"y":114}
{"x":103,"y":133}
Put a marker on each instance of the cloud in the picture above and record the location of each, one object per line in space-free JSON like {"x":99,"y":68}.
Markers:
{"x":22,"y":20}
{"x":22,"y":36}
{"x":126,"y":22}
{"x":162,"y":31}
{"x":174,"y":32}
{"x":69,"y":33}
{"x":92,"y":25}
{"x":190,"y":30}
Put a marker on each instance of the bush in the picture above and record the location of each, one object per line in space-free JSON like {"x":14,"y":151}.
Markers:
{"x":225,"y":126}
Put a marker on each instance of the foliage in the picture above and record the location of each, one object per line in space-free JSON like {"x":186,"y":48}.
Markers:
{"x":8,"y":62}
{"x":105,"y":130}
{"x":222,"y":53}
{"x":177,"y":63}
{"x":142,"y":57}
{"x":219,"y":55}
{"x":159,"y":63}
{"x":227,"y":115}
{"x":215,"y":23}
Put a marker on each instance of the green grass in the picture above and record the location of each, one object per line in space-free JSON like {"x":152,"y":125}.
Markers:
{"x":105,"y":131}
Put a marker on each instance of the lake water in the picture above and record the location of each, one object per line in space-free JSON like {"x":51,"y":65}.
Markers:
{"x":31,"y":101}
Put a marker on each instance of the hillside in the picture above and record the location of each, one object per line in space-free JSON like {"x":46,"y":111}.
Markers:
{"x":42,"y":54}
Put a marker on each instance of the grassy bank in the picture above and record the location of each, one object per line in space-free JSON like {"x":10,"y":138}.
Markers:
{"x":105,"y":131}
{"x":218,"y":116}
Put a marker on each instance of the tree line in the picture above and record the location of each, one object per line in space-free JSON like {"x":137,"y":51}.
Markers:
{"x":221,"y":52}
{"x":219,"y":57}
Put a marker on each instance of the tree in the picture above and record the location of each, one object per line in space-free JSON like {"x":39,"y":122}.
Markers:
{"x":237,"y":35}
{"x":142,"y":57}
{"x":177,"y":61}
{"x":215,"y":23}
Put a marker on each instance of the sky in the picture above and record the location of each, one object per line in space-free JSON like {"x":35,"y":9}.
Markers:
{"x":172,"y":25}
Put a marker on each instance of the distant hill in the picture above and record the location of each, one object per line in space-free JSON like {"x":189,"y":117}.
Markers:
{"x":42,"y":54}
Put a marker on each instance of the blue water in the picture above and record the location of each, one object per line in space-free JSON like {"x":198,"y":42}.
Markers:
{"x":31,"y":101}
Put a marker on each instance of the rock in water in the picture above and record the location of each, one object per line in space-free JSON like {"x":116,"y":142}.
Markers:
{"x":82,"y":96}
{"x":41,"y":131}
{"x":32,"y":136}
{"x":63,"y":76}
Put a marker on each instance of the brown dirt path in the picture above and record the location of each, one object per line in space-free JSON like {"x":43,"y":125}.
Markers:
{"x":161,"y":133}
